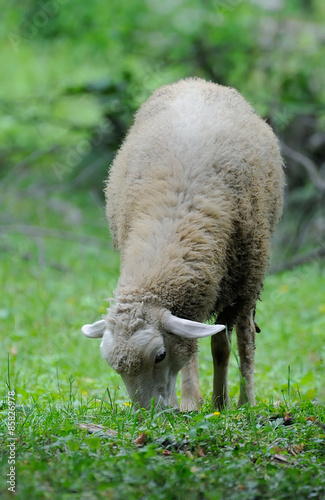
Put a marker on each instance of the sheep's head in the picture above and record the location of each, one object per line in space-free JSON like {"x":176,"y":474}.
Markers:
{"x":148,"y":351}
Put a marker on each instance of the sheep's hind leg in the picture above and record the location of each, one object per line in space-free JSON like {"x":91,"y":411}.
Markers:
{"x":191,"y":393}
{"x":245,"y":330}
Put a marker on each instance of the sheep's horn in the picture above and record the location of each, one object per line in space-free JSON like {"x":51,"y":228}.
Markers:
{"x":94,"y":331}
{"x":187,"y":328}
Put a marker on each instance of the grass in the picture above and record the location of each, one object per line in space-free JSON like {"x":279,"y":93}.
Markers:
{"x":51,"y":287}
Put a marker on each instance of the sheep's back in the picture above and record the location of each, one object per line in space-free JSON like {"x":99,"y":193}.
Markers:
{"x":199,"y":139}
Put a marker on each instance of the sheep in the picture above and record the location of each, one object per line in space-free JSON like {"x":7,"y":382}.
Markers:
{"x":193,"y":197}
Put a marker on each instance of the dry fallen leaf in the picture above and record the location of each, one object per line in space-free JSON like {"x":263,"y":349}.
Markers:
{"x":91,"y":428}
{"x":295,"y":449}
{"x":278,"y":450}
{"x":189,"y":455}
{"x":280,"y":458}
{"x":166,"y":452}
{"x":140,"y":440}
{"x":200,"y":452}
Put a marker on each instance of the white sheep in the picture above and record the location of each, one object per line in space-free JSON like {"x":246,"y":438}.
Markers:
{"x":193,"y":197}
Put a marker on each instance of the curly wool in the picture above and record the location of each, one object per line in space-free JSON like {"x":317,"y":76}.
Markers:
{"x":193,"y":197}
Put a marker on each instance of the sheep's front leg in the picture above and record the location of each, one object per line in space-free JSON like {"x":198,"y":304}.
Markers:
{"x":245,"y":330}
{"x":191,"y":393}
{"x":220,"y":347}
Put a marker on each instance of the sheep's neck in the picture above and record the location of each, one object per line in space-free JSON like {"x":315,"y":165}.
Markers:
{"x":176,"y":263}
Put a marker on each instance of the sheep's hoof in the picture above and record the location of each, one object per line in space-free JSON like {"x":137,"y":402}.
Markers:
{"x":188,"y":404}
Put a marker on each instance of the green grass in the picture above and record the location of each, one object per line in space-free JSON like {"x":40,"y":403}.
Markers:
{"x":52,"y":286}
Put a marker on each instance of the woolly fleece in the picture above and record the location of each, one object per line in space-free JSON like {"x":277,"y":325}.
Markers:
{"x":193,"y":197}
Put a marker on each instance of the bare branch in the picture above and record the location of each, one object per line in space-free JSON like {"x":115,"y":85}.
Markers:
{"x":90,"y":169}
{"x":303,"y":259}
{"x":307,"y":164}
{"x":19,"y":167}
{"x":29,"y":257}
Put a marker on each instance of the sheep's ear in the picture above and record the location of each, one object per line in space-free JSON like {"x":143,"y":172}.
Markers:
{"x":189,"y":329}
{"x":94,"y":331}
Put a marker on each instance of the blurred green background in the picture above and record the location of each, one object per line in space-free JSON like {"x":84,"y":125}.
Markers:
{"x":74,"y":73}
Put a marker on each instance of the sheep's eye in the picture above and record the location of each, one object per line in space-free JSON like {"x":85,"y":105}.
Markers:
{"x":160,"y":356}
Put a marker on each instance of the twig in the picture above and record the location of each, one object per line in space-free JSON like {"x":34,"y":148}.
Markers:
{"x":90,"y":169}
{"x":307,"y":164}
{"x":303,"y":259}
{"x":29,"y":258}
{"x":54,"y":233}
{"x":19,"y":167}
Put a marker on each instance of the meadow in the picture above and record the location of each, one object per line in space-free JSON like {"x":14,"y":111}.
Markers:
{"x":76,"y":434}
